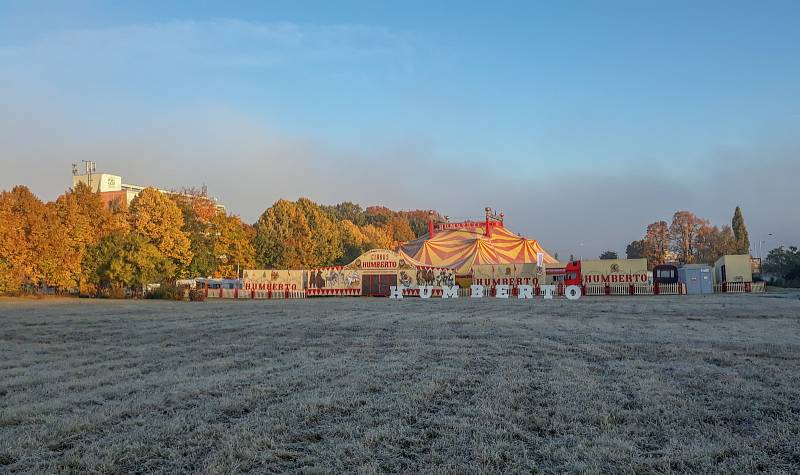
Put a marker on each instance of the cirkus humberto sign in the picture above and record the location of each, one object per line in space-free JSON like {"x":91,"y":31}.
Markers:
{"x":476,"y":291}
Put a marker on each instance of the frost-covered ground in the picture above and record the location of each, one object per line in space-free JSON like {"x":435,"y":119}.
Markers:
{"x":626,"y":384}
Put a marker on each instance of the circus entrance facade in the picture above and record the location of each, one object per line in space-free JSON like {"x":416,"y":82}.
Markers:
{"x":379,"y":270}
{"x":374,"y":273}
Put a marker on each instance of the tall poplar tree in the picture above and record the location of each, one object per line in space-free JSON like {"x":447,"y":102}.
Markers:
{"x":740,"y":232}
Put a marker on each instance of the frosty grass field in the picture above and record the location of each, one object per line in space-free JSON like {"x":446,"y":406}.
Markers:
{"x":629,"y":384}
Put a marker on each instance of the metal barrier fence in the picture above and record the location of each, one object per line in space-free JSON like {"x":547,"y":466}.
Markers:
{"x":634,"y":289}
{"x":740,"y":287}
{"x":242,"y":294}
{"x":677,"y":288}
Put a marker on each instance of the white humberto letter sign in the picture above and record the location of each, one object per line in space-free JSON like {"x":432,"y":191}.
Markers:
{"x":571,"y":292}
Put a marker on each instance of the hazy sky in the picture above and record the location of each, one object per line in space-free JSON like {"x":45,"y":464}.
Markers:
{"x":583,"y":121}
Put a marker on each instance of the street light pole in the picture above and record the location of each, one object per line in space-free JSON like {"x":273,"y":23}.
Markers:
{"x":769,"y":235}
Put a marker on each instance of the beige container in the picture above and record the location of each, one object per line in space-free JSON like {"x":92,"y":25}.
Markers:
{"x":733,"y":268}
{"x":614,"y":271}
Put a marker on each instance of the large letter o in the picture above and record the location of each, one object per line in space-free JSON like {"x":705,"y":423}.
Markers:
{"x":573,"y":292}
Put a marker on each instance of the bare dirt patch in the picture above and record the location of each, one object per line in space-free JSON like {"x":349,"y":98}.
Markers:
{"x":647,"y":384}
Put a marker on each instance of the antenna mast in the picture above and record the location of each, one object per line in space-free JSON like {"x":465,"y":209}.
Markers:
{"x":91,"y":168}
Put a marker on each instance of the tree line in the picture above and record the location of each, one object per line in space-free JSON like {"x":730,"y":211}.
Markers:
{"x":784,"y":266}
{"x":303,"y":234}
{"x":690,"y":239}
{"x":79,"y":244}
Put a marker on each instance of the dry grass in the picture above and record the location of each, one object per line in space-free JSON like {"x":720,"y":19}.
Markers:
{"x":626,"y":385}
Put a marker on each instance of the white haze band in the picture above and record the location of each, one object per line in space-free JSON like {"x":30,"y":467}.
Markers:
{"x":571,"y":292}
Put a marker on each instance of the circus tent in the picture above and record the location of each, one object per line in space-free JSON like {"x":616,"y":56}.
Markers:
{"x":460,"y":249}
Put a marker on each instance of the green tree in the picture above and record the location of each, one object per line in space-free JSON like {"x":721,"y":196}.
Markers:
{"x":284,"y":238}
{"x":785,"y":263}
{"x":354,"y":242}
{"x":740,"y":232}
{"x":418,"y":220}
{"x":346,"y":211}
{"x":636,"y":249}
{"x":126,"y":260}
{"x":198,"y":211}
{"x":609,"y":255}
{"x":326,"y":238}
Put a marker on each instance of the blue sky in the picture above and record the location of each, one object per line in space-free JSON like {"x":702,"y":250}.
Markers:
{"x":583,"y":120}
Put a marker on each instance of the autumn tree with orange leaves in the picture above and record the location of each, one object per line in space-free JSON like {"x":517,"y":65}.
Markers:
{"x":35,"y":246}
{"x":77,"y":243}
{"x":159,"y":220}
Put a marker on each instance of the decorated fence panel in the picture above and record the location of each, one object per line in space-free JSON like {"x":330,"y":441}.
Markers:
{"x":333,"y":292}
{"x":274,"y":279}
{"x":334,"y":282}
